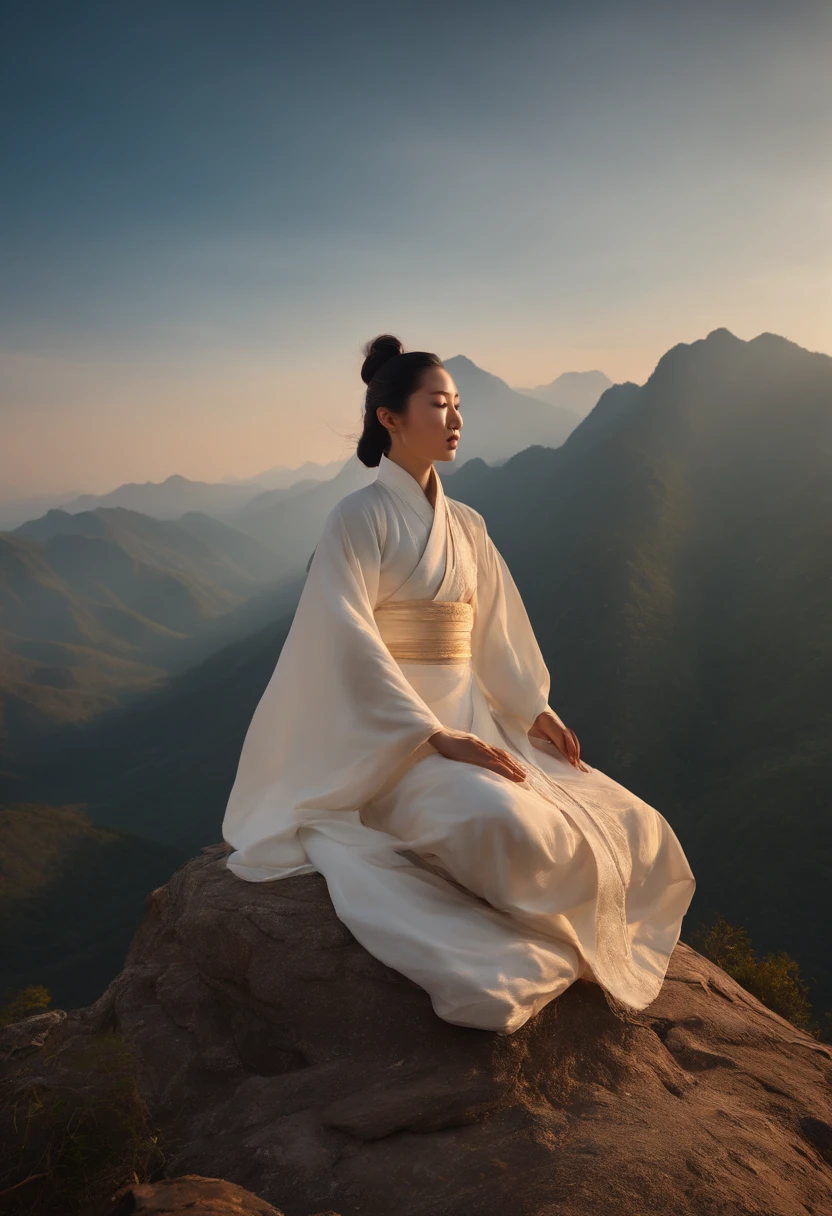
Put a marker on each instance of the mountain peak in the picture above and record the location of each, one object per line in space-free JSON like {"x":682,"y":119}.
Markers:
{"x":723,"y":335}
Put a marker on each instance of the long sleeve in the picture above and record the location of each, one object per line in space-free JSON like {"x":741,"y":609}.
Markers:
{"x":338,"y":716}
{"x":507,"y":658}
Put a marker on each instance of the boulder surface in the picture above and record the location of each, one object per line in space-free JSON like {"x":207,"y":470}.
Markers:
{"x":276,"y":1053}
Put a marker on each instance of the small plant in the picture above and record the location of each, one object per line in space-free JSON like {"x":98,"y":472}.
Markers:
{"x":74,"y":1128}
{"x":15,"y":1006}
{"x":775,"y":980}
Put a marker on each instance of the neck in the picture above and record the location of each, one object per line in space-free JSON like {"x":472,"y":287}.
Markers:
{"x":422,"y":472}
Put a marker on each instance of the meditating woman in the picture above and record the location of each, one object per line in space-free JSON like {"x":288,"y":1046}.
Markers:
{"x":405,"y":749}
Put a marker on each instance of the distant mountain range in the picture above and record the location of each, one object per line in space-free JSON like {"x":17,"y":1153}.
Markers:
{"x":498,"y":423}
{"x":101,"y":604}
{"x":282,"y":477}
{"x":575,"y":392}
{"x":673,"y":554}
{"x":171,"y":498}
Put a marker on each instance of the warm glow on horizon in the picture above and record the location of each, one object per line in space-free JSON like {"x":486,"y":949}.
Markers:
{"x":194,"y":259}
{"x":106,"y":424}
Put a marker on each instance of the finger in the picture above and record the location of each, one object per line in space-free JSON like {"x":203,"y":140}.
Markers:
{"x":500,"y":761}
{"x":515,"y":764}
{"x":513,"y":770}
{"x":504,"y":770}
{"x":501,"y":751}
{"x":511,"y":761}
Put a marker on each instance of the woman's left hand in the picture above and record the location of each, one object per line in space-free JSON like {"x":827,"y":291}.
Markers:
{"x":547,"y":725}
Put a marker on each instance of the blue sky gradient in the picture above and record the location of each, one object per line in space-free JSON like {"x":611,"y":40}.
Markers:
{"x":208,"y":207}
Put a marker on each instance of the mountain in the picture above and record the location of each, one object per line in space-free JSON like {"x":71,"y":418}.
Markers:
{"x":281,"y":477}
{"x":673,"y":555}
{"x":170,"y":498}
{"x":97,"y":606}
{"x":175,"y":496}
{"x":203,"y":549}
{"x":71,"y":894}
{"x":269,"y":497}
{"x":163,"y":765}
{"x":575,"y":392}
{"x":240,"y":554}
{"x":291,"y":525}
{"x":15,"y":511}
{"x":497,"y":421}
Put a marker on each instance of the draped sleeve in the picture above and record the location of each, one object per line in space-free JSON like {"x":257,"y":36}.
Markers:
{"x":337,"y":718}
{"x":507,"y":658}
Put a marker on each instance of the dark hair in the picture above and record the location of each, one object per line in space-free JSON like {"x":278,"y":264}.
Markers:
{"x":391,"y":376}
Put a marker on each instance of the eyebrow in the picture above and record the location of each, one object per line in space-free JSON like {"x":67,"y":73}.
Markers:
{"x":445,"y":392}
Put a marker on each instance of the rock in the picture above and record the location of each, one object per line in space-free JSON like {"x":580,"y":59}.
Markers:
{"x":18,"y":1038}
{"x":277,"y":1054}
{"x":192,"y":1195}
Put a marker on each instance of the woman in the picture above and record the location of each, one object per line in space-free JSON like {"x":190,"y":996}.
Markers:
{"x":405,"y":749}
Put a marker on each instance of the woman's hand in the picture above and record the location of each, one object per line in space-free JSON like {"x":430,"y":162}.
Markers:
{"x":547,"y":725}
{"x":460,"y":745}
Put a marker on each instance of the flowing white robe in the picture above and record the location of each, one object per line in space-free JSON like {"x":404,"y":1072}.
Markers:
{"x":492,"y":895}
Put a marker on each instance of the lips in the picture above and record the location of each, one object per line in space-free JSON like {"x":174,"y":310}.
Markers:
{"x":454,"y":440}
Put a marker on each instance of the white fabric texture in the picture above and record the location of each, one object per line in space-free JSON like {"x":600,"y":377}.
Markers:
{"x":492,"y":895}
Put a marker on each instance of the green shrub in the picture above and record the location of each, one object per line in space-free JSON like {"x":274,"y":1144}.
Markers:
{"x":775,"y":980}
{"x":23,"y":1003}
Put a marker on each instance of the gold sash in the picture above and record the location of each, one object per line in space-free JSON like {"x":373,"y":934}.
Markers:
{"x":426,"y":631}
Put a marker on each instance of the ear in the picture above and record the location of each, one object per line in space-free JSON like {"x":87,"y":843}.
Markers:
{"x":386,"y":417}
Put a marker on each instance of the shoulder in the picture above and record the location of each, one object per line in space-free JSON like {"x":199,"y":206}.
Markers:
{"x":467,"y":516}
{"x":360,"y":514}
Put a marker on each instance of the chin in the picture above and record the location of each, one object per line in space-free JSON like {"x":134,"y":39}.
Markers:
{"x":449,"y":454}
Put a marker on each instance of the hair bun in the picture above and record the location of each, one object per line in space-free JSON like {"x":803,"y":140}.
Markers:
{"x":377,"y":353}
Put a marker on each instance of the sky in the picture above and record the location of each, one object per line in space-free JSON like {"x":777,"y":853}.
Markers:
{"x":208,"y":207}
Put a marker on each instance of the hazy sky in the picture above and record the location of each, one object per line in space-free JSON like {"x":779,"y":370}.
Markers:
{"x":207,"y":207}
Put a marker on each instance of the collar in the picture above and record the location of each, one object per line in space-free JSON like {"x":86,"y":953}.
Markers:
{"x":405,"y":486}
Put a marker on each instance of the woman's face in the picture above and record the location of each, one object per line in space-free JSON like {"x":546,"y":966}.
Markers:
{"x":431,"y":421}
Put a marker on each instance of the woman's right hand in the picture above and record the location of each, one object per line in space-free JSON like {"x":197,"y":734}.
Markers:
{"x":460,"y":745}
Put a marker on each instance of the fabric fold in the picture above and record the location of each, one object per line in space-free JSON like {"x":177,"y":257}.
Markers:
{"x":491,"y":894}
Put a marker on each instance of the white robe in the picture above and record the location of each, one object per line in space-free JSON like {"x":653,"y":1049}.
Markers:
{"x":492,"y":895}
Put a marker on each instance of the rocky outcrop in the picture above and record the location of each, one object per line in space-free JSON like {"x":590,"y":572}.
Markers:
{"x":190,"y":1195}
{"x":277,"y":1054}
